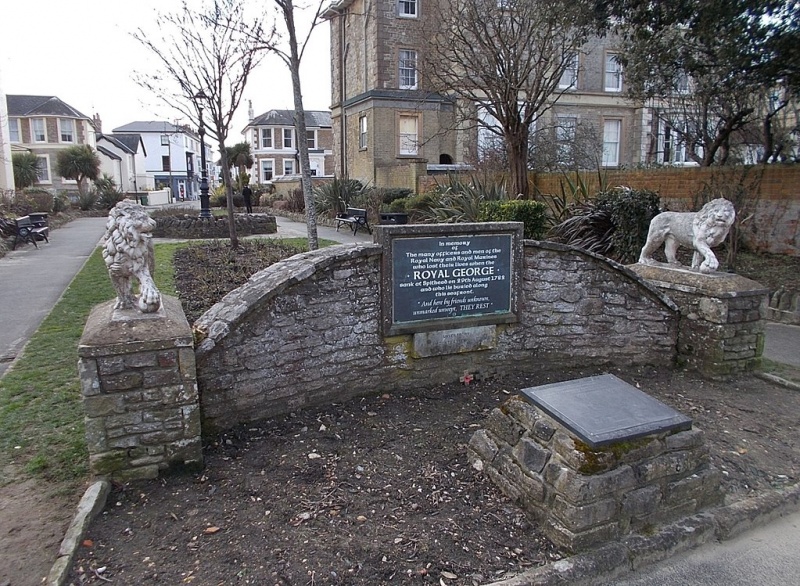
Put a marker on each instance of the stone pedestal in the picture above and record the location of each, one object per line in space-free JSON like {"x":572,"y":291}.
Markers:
{"x":721,"y":331}
{"x":139,"y":391}
{"x":582,"y":496}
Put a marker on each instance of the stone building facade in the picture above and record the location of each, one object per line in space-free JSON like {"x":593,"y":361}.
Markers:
{"x":390,"y":129}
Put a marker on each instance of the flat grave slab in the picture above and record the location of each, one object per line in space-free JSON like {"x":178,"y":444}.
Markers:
{"x":603,"y":410}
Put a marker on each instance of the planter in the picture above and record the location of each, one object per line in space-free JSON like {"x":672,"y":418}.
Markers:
{"x":394,"y":218}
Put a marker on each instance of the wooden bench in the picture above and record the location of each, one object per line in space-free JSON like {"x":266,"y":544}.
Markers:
{"x":355,"y":218}
{"x":30,"y":229}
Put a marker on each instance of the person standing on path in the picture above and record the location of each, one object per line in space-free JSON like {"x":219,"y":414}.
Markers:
{"x":247,"y":193}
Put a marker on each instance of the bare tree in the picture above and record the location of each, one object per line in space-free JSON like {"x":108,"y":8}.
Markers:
{"x":505,"y":58}
{"x":292,"y":57}
{"x":206,"y":56}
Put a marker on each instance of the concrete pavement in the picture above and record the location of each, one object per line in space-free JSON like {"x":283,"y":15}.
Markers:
{"x":782,"y":344}
{"x":766,"y":556}
{"x":32,"y":281}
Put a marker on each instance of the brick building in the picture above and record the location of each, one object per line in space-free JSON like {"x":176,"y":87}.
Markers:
{"x":273,"y":144}
{"x":389,"y":129}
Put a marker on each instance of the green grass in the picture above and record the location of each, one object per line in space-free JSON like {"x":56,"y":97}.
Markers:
{"x":41,"y":416}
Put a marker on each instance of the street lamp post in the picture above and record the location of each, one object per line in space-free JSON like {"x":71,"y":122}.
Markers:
{"x":205,"y":211}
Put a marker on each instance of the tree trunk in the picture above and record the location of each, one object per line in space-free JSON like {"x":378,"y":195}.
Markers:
{"x":228,"y":182}
{"x":300,"y":128}
{"x":517,"y":146}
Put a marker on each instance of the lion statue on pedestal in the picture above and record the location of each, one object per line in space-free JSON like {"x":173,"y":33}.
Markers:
{"x":128,"y":254}
{"x":699,"y":230}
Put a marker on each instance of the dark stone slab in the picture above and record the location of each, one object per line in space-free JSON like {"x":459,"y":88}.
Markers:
{"x":603,"y":410}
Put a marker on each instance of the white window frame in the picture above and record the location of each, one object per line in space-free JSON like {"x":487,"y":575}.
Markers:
{"x":612,"y":78}
{"x":407,"y":77}
{"x":14,"y":130}
{"x":69,"y":132}
{"x":408,"y":8}
{"x":34,"y":138}
{"x":288,"y":165}
{"x":362,"y":131}
{"x":267,"y":139}
{"x":408,"y":143}
{"x":165,"y":140}
{"x":43,"y":170}
{"x":672,"y":150}
{"x":288,"y":133}
{"x":311,"y":138}
{"x":611,"y":148}
{"x":263,"y":167}
{"x":569,"y":79}
{"x":317,"y":166}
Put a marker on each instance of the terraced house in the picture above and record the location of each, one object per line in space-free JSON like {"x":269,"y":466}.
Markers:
{"x":390,"y":127}
{"x":44,"y":125}
{"x":273,"y":143}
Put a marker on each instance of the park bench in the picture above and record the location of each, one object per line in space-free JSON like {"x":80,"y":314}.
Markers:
{"x":355,"y":218}
{"x":30,"y":229}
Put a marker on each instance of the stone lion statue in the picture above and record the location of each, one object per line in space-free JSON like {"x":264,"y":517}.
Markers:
{"x":699,"y":230}
{"x":128,"y":254}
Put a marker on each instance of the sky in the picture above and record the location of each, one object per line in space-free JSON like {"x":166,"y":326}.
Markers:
{"x":45,"y":43}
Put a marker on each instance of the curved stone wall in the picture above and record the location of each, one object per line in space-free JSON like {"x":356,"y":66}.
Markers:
{"x":307,"y":331}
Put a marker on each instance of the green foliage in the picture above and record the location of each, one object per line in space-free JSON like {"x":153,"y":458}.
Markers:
{"x":613,"y":224}
{"x":60,"y":203}
{"x":532,"y":213}
{"x":107,"y":193}
{"x":88,"y":200}
{"x":336,"y":196}
{"x":460,"y":201}
{"x":631,"y":211}
{"x":78,"y":162}
{"x":390,"y":194}
{"x":38,"y":199}
{"x":26,"y":169}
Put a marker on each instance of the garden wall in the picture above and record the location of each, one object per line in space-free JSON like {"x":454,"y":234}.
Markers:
{"x":187,"y":226}
{"x":775,"y":226}
{"x":307,"y":331}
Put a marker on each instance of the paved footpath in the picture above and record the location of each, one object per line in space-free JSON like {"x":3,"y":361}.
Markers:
{"x":32,"y":281}
{"x":767,"y":556}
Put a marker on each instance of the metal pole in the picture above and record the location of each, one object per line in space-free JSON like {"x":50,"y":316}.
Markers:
{"x":205,"y":211}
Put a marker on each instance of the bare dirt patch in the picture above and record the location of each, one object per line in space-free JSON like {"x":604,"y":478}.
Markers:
{"x":379,"y":491}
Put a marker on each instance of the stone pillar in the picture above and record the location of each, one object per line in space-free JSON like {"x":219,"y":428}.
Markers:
{"x":583,"y":497}
{"x":139,"y":391}
{"x":721,"y":331}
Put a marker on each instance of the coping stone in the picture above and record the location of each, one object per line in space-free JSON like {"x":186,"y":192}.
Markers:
{"x":603,"y":410}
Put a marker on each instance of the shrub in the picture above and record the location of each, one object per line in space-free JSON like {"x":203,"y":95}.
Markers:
{"x":39,"y":199}
{"x":88,"y":201}
{"x":631,"y":211}
{"x":532,"y":213}
{"x":60,"y":203}
{"x":108,"y":194}
{"x":336,"y":196}
{"x":388,"y":195}
{"x":614,"y":223}
{"x":297,"y":202}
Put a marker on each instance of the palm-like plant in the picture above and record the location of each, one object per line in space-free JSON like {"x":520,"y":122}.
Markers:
{"x":80,"y":163}
{"x":26,"y":169}
{"x":239,"y":156}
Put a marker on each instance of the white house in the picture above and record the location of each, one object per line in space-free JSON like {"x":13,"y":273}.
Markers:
{"x":123,"y":157}
{"x":172,"y":155}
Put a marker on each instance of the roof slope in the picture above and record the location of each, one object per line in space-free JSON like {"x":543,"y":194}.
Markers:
{"x":150,"y":126}
{"x":23,"y":105}
{"x":314,"y":118}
